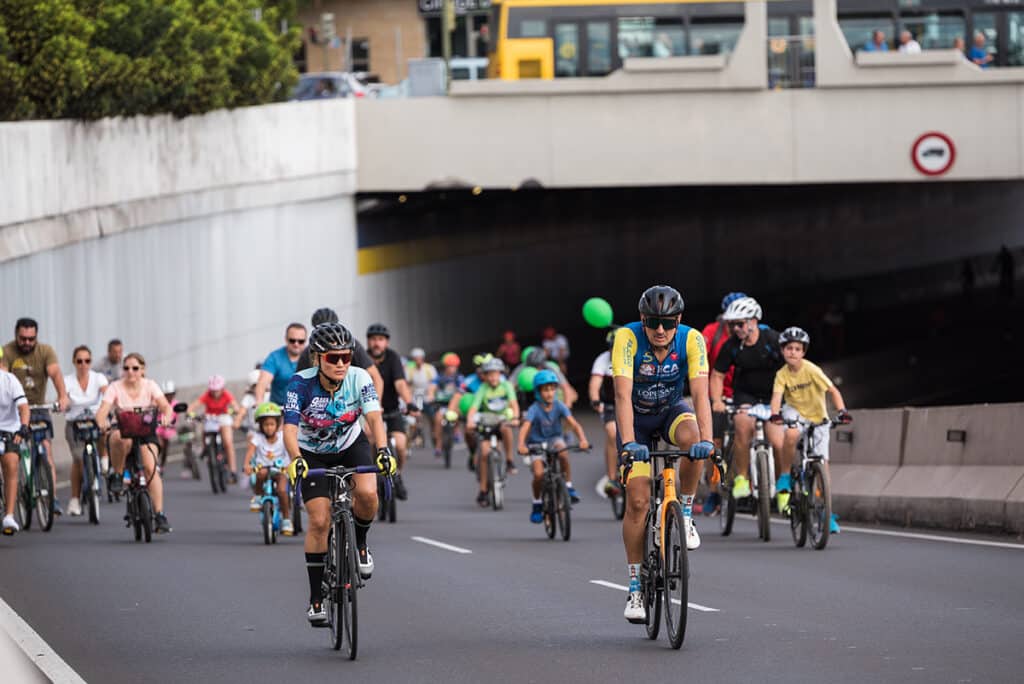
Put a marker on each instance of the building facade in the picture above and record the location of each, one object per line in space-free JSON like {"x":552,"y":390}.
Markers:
{"x":380,"y":36}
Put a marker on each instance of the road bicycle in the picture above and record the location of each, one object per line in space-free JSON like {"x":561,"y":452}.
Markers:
{"x":810,"y":499}
{"x":135,"y":425}
{"x":762,"y":474}
{"x":87,"y":432}
{"x":341,"y":566}
{"x":665,"y":569}
{"x":387,"y":508}
{"x":555,"y":502}
{"x":489,"y":428}
{"x":35,"y":479}
{"x":270,"y":506}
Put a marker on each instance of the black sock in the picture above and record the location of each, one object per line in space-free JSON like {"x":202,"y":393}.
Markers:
{"x":315,"y":568}
{"x":362,"y":527}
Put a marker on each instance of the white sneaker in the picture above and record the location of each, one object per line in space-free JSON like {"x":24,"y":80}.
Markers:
{"x":286,"y":528}
{"x":365,"y":564}
{"x":692,"y":538}
{"x":10,"y":525}
{"x":635,"y":612}
{"x":254,"y":504}
{"x":74,"y":506}
{"x":317,"y":615}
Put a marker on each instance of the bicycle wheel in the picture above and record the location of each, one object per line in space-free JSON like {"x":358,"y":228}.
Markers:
{"x":564,"y":511}
{"x":91,"y":486}
{"x":144,"y":507}
{"x":193,"y":462}
{"x":211,"y":467}
{"x":618,"y":502}
{"x":222,"y":473}
{"x":296,"y":511}
{"x":382,"y":504}
{"x":497,"y":481}
{"x":44,"y":495}
{"x":24,"y":507}
{"x":132,"y":509}
{"x":548,"y":508}
{"x":650,"y":580}
{"x":332,"y":565}
{"x":446,"y":447}
{"x":727,"y":513}
{"x":797,"y":511}
{"x":819,"y":506}
{"x":677,"y":575}
{"x":267,"y":522}
{"x":349,"y":587}
{"x":764,"y":499}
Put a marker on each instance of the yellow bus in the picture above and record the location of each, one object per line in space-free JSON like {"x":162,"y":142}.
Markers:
{"x":569,"y":38}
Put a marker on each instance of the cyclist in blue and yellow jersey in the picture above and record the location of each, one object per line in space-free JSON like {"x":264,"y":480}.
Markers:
{"x":651,"y":361}
{"x":322,"y":409}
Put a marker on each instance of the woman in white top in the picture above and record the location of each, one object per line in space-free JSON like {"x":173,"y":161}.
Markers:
{"x":135,"y":391}
{"x":85,"y":390}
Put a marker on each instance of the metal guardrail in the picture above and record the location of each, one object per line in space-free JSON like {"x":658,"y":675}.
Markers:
{"x":791,"y":62}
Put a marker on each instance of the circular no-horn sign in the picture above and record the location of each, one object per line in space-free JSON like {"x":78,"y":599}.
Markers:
{"x":933,"y":153}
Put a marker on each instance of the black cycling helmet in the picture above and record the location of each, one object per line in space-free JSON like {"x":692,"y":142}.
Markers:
{"x":329,"y":337}
{"x":536,"y":358}
{"x":661,"y":300}
{"x":324,"y":315}
{"x":378,"y":329}
{"x":795,"y":334}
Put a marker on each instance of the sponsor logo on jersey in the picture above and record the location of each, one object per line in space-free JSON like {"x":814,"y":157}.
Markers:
{"x":368,"y":393}
{"x":670,"y":368}
{"x":319,"y":403}
{"x":647,"y":369}
{"x":674,"y":356}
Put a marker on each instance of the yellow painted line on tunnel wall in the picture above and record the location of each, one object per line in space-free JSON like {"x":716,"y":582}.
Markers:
{"x":426,"y":250}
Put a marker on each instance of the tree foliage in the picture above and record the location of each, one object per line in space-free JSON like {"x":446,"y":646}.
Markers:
{"x":89,"y":59}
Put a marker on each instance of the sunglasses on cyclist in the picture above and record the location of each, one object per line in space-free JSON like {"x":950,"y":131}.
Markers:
{"x":292,"y":340}
{"x":737,"y":324}
{"x":334,"y":358}
{"x":132,"y":368}
{"x":82,"y":362}
{"x":655,"y":322}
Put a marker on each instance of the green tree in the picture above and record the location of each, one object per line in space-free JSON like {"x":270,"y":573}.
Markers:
{"x":89,"y":59}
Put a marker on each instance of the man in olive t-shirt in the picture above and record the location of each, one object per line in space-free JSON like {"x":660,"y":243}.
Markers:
{"x":32,"y":363}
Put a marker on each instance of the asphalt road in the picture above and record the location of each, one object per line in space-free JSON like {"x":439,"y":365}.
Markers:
{"x":211,"y":602}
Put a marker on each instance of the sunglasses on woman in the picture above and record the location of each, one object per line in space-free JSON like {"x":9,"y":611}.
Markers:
{"x":135,"y":369}
{"x":342,"y":357}
{"x":82,"y":362}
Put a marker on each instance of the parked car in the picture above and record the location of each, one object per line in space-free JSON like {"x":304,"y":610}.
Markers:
{"x":328,"y":84}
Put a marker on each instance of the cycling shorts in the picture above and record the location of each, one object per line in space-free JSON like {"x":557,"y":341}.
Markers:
{"x":37,"y":415}
{"x":649,"y":427}
{"x":7,"y":445}
{"x":821,"y":434}
{"x":394,"y":422}
{"x":719,"y":421}
{"x":358,"y":454}
{"x":608,"y":414}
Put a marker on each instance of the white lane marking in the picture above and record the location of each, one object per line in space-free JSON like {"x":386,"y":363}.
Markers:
{"x":44,"y":657}
{"x":623,"y":587}
{"x":912,"y":535}
{"x":441,"y":545}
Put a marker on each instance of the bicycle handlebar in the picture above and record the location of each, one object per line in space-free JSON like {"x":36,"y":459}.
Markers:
{"x":55,"y":406}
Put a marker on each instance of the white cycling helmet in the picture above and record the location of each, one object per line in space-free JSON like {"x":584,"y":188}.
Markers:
{"x":742,"y":309}
{"x":254,"y":376}
{"x":795,"y":334}
{"x":492,"y":365}
{"x":168,"y":387}
{"x":417,"y":353}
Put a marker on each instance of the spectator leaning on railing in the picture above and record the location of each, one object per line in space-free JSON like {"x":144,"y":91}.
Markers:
{"x":908,"y":45}
{"x":978,"y":53}
{"x":877,"y":42}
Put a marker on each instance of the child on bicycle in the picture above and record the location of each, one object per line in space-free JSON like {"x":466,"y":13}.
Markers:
{"x":14,"y":419}
{"x":803,"y":386}
{"x":543,"y":423}
{"x":496,"y":399}
{"x":266,"y":448}
{"x":219,"y":406}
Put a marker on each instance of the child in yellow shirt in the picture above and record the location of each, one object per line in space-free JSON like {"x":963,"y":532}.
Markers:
{"x":803,"y":386}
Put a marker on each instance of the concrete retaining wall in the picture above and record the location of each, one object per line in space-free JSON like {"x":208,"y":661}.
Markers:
{"x":900,"y":468}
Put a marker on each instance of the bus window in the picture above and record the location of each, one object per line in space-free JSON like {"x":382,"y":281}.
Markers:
{"x":858,"y":30}
{"x":934,"y":30}
{"x":1015,"y":39}
{"x":714,"y":37}
{"x":650,"y":37}
{"x":567,"y":54}
{"x":599,"y":48}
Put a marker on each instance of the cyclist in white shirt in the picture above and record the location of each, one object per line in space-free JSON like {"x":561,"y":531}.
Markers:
{"x":13,"y":429}
{"x":85,"y":391}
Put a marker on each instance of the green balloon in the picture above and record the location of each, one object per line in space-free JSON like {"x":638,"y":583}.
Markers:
{"x":526,"y":379}
{"x":526,"y":352}
{"x":597,"y":312}
{"x":465,"y":403}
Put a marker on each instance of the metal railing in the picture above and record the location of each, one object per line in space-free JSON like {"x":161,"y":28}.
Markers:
{"x":791,"y":62}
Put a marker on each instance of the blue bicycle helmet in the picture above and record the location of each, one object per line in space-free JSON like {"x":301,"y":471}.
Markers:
{"x":544,"y":377}
{"x":730,"y":298}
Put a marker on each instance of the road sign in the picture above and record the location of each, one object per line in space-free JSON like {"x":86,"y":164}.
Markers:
{"x":933,"y":153}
